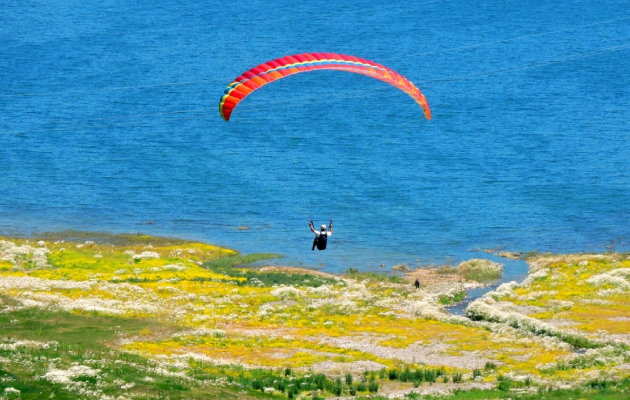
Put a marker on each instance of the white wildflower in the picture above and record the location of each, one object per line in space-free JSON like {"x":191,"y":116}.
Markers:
{"x":487,"y":309}
{"x":174,"y":267}
{"x":66,"y":375}
{"x":346,"y":306}
{"x":256,"y":282}
{"x":610,"y":292}
{"x":285,"y":292}
{"x":4,"y":244}
{"x":324,"y":291}
{"x":427,"y":309}
{"x":176,"y":253}
{"x":506,"y":289}
{"x":561,"y":304}
{"x":146,"y":255}
{"x":29,"y":283}
{"x":540,"y":274}
{"x":170,"y":280}
{"x":625,"y":272}
{"x":597,"y":301}
{"x":609,"y":279}
{"x":9,"y":391}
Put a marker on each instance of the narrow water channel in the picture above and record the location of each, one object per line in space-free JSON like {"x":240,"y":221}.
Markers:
{"x":514,"y":270}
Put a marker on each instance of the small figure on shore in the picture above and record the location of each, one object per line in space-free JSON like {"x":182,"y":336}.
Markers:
{"x":417,"y":283}
{"x":321,"y":237}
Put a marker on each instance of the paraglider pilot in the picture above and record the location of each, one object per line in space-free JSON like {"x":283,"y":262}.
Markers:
{"x":321,"y":237}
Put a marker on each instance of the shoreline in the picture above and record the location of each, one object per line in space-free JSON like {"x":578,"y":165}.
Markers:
{"x":428,"y":275}
{"x":200,"y":306}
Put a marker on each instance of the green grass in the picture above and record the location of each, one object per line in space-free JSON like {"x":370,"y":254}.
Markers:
{"x":82,"y":337}
{"x":619,"y":391}
{"x":88,"y":331}
{"x":116,"y":239}
{"x":291,"y":385}
{"x":87,"y":339}
{"x":227,"y":265}
{"x":353,"y":273}
{"x":75,"y":339}
{"x":597,"y":390}
{"x":236,"y":267}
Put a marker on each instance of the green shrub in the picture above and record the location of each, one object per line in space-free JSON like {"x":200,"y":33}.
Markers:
{"x":337,"y":387}
{"x":406,"y":375}
{"x":430,"y":375}
{"x":480,"y":270}
{"x":228,"y":266}
{"x":452,"y":299}
{"x":505,"y":384}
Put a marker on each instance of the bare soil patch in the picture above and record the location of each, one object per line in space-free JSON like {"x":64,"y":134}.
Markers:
{"x":439,"y":280}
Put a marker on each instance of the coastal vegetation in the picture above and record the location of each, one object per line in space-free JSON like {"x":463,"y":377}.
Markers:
{"x":102,"y":316}
{"x":479,"y":270}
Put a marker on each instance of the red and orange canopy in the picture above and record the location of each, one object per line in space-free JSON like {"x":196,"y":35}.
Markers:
{"x":289,"y":65}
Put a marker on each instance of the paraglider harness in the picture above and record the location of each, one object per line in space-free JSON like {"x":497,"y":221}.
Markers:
{"x":321,"y":240}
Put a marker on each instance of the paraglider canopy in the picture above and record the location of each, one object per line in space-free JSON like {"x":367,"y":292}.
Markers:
{"x":276,"y":69}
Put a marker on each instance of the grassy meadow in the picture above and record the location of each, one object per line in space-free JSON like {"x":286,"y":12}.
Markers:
{"x":100,"y":316}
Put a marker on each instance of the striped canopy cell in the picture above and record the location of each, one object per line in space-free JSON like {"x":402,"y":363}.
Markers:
{"x":295,"y":64}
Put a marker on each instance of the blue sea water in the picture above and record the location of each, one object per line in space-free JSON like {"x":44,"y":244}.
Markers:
{"x":109,"y":121}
